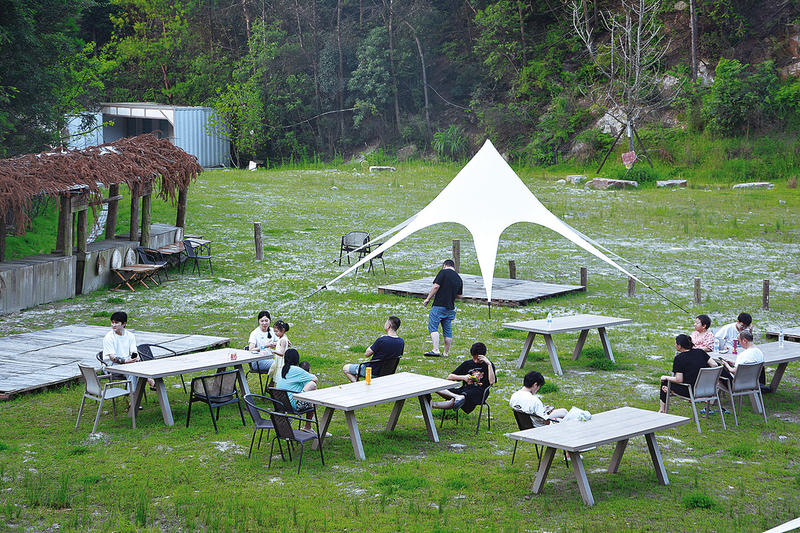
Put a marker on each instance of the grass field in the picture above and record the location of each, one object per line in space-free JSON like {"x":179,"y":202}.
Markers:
{"x":158,"y":478}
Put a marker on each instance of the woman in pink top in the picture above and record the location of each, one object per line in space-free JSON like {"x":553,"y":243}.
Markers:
{"x":701,"y":337}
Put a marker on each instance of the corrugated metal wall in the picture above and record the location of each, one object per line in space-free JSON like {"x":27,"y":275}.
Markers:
{"x":191,"y":135}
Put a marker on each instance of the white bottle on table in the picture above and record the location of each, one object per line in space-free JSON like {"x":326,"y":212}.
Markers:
{"x":549,"y":320}
{"x":780,"y":339}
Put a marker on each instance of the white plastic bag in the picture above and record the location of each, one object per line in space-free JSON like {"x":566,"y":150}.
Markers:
{"x":577,"y":414}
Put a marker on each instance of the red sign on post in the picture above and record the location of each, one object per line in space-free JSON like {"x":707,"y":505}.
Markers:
{"x":628,"y":159}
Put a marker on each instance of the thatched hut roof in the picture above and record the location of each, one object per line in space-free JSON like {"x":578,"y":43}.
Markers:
{"x":144,"y":159}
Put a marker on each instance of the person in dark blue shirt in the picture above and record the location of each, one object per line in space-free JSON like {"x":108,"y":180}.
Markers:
{"x":387,"y":346}
{"x":447,"y":286}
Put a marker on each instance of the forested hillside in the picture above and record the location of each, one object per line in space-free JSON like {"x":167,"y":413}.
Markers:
{"x":301,"y":78}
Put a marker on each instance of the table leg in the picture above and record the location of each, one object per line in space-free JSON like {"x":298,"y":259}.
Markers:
{"x":124,"y":281}
{"x":355,"y":436}
{"x":580,"y":473}
{"x":579,"y":346}
{"x":606,"y":344}
{"x":613,"y":467}
{"x":140,"y":279}
{"x":544,"y":469}
{"x":398,"y":407}
{"x":526,"y":347}
{"x":136,"y":401}
{"x":323,"y":426}
{"x":163,"y":401}
{"x":427,"y":415}
{"x":658,"y":462}
{"x":777,"y":377}
{"x":551,"y":349}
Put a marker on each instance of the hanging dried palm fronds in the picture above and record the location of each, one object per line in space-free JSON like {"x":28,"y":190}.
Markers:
{"x":144,"y":159}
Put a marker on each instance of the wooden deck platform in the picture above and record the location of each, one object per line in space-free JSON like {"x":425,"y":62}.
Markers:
{"x":40,"y":359}
{"x":506,"y":292}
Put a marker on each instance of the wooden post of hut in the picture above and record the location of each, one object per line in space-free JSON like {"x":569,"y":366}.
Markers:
{"x":134,"y":232}
{"x":457,"y":254}
{"x":64,"y":234}
{"x":3,"y":230}
{"x":183,"y":199}
{"x":113,"y":209}
{"x":80,"y":206}
{"x":147,"y":199}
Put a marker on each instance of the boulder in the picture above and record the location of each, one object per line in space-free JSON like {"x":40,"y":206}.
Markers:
{"x":671,"y":183}
{"x":604,"y":183}
{"x":755,"y":185}
{"x":406,"y":152}
{"x":575,"y":178}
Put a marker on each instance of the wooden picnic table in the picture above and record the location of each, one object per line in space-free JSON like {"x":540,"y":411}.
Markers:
{"x":563,"y":324}
{"x":617,"y":425}
{"x":158,"y":369}
{"x":775,"y":355}
{"x":137,"y":273}
{"x":395,"y":388}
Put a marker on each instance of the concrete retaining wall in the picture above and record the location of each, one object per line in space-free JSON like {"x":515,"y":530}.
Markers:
{"x":41,"y":279}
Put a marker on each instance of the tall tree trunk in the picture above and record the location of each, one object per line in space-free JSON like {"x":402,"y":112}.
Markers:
{"x":424,"y":79}
{"x":522,"y":34}
{"x":693,"y":23}
{"x":395,"y":94}
{"x":341,"y":66}
{"x":247,"y":23}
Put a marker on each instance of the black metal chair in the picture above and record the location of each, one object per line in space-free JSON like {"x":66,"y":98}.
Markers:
{"x":215,"y":390}
{"x":383,"y":367}
{"x":282,"y":424}
{"x":375,"y":246}
{"x":195,"y":252}
{"x":255,"y":370}
{"x":148,"y":256}
{"x":259,"y":422}
{"x":526,"y":421}
{"x":480,"y":413}
{"x":353,"y":242}
{"x":282,"y":396}
{"x":146,"y":354}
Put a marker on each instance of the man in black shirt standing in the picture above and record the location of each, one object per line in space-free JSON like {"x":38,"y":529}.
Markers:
{"x":446,"y":287}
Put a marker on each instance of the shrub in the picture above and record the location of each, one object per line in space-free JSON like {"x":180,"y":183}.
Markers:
{"x":451,"y":143}
{"x":698,"y":500}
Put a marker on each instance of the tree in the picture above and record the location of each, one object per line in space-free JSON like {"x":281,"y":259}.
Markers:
{"x":630,"y":61}
{"x":44,"y":72}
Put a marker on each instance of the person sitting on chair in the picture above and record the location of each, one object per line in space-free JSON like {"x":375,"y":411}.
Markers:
{"x":685,"y":368}
{"x":701,"y":337}
{"x":262,"y":340}
{"x":119,"y":345}
{"x":477,"y":374}
{"x":728,"y":332}
{"x":527,"y":401}
{"x":387,"y":346}
{"x":748,"y":354}
{"x":294,"y":379}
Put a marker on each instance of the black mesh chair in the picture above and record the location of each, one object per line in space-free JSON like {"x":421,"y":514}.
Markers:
{"x":215,"y":390}
{"x":195,"y":252}
{"x":282,"y":424}
{"x":146,"y":354}
{"x":526,"y":421}
{"x":256,"y":370}
{"x":259,"y":422}
{"x":282,"y":396}
{"x":384,"y":367}
{"x":148,"y":256}
{"x":480,"y":413}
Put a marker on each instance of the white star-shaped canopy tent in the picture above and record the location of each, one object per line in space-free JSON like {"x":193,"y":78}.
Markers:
{"x":486,"y":197}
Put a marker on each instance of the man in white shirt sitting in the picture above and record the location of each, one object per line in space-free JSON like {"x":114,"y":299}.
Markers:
{"x":527,"y":401}
{"x":728,"y":332}
{"x":748,"y":353}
